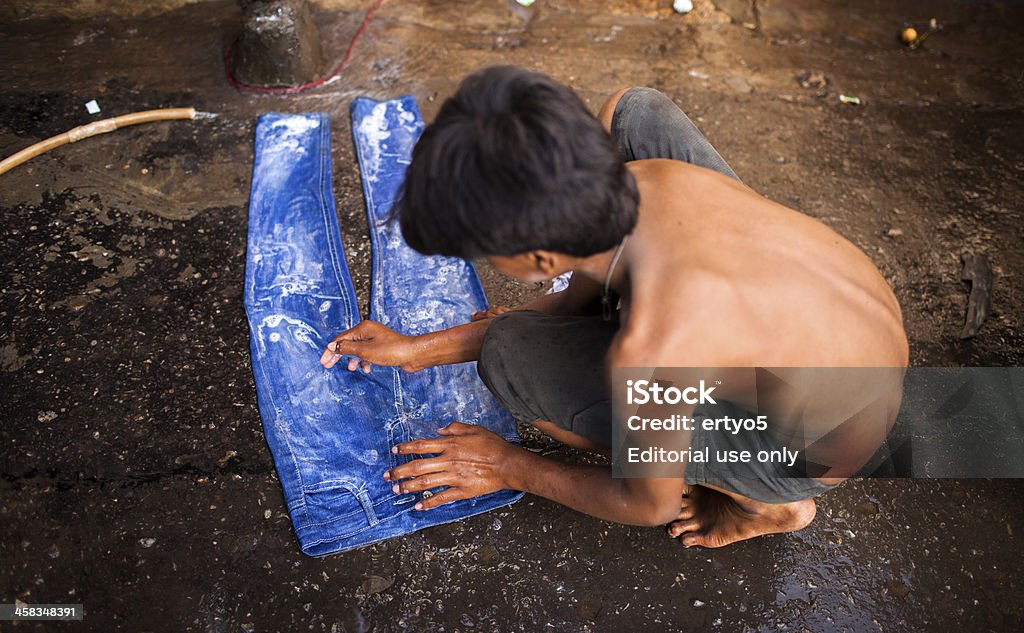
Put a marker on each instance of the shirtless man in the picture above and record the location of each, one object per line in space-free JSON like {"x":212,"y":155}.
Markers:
{"x":516,"y":170}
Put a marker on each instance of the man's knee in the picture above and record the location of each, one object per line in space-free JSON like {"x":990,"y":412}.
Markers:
{"x":651,"y":104}
{"x":498,"y":341}
{"x":608,"y":109}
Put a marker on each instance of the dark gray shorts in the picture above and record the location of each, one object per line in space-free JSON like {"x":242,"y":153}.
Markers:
{"x":548,"y":367}
{"x":647,"y":124}
{"x":552,"y":368}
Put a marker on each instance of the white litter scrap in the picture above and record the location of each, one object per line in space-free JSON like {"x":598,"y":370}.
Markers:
{"x":560,"y":283}
{"x":92,"y":107}
{"x":682,"y":6}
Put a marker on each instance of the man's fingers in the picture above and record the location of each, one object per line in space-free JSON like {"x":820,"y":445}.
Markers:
{"x":423,"y":482}
{"x":441,"y":498}
{"x":419,"y":447}
{"x":349,"y":341}
{"x":344,"y":346}
{"x":328,"y":358}
{"x":336,"y":349}
{"x":416,"y":468}
{"x":352,"y":342}
{"x":458,"y":428}
{"x":365,"y":366}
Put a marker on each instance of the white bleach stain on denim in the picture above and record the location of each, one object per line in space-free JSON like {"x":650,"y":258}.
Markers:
{"x":296,"y":270}
{"x":286,"y":134}
{"x":379,"y":138}
{"x":373,"y":131}
{"x":282,"y":143}
{"x":299,"y":329}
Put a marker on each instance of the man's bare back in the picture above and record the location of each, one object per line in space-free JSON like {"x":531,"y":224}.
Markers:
{"x":715,"y":275}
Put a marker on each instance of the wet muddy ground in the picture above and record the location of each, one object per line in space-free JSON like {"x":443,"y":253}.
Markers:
{"x":135,"y":476}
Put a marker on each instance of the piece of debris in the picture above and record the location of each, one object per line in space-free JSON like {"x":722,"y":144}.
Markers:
{"x":866,"y":508}
{"x":523,"y":8}
{"x":682,"y":6}
{"x":978,"y":272}
{"x":849,"y":100}
{"x":611,"y":34}
{"x":92,"y":107}
{"x":376,"y":584}
{"x":812,"y":79}
{"x":738,"y":84}
{"x":914,"y":37}
{"x":228,"y":456}
{"x":894,"y":232}
{"x":560,"y":283}
{"x":897,"y":588}
{"x":147,"y":542}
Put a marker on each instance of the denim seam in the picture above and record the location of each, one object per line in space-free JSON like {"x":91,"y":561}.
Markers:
{"x":367,"y":505}
{"x":361,"y":511}
{"x":376,"y":263}
{"x":399,"y":515}
{"x":278,"y":415}
{"x":332,"y":236}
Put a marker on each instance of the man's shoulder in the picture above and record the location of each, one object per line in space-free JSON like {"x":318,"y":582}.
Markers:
{"x":664,"y":171}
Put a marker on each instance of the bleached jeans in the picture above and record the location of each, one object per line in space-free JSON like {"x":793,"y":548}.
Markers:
{"x":330,"y":431}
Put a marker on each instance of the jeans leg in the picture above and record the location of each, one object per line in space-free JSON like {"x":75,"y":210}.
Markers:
{"x":415,"y":294}
{"x":412,"y":293}
{"x":329,"y":430}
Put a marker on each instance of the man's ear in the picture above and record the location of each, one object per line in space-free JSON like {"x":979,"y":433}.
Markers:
{"x":545,"y":262}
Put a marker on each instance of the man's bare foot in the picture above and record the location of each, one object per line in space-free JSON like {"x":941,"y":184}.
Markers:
{"x":710,"y":518}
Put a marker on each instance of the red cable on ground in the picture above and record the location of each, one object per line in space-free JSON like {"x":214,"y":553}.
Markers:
{"x":313,"y":84}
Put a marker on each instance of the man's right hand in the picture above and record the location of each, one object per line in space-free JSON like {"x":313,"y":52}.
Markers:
{"x":372,"y":343}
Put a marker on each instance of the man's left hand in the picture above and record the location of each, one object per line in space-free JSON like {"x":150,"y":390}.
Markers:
{"x":471,"y":461}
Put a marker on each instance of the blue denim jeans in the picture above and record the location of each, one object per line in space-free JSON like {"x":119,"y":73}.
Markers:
{"x":330,"y":431}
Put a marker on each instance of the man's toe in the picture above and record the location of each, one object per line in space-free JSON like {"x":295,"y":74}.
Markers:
{"x":683,"y":526}
{"x":691,"y":539}
{"x":685,"y":513}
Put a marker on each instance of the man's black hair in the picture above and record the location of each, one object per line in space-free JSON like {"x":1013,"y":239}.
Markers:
{"x":515,"y":162}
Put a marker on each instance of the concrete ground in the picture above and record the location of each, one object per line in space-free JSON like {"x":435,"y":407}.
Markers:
{"x":136,"y":479}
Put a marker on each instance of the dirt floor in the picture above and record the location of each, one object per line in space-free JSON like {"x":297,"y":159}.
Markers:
{"x":135,"y":475}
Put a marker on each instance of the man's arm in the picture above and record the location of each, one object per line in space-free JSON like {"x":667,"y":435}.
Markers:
{"x":473,"y":461}
{"x":372,"y":343}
